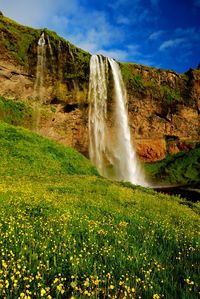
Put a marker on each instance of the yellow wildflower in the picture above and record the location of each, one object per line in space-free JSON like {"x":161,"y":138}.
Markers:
{"x":42,"y":292}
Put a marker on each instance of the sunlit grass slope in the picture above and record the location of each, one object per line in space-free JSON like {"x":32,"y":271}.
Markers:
{"x":25,"y":153}
{"x":65,"y":232}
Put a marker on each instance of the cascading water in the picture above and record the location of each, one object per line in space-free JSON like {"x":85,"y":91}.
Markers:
{"x":60,"y":73}
{"x":38,"y":87}
{"x":41,"y":60}
{"x":73,"y":59}
{"x":50,"y":47}
{"x":111,"y":149}
{"x":97,"y":114}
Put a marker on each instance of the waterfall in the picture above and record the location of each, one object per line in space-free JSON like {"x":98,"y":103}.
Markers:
{"x":50,"y":47}
{"x":111,"y":149}
{"x":60,"y":73}
{"x":41,"y":60}
{"x":39,"y":82}
{"x":73,"y":60}
{"x":97,"y":113}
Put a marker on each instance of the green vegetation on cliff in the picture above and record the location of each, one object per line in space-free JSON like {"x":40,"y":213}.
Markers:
{"x":182,"y":168}
{"x":16,"y":113}
{"x":66,"y":232}
{"x":137,"y":80}
{"x":17,"y":38}
{"x":65,"y":62}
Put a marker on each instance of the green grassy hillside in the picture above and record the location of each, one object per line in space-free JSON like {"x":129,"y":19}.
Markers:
{"x":68,"y":233}
{"x":16,"y":113}
{"x":27,"y":154}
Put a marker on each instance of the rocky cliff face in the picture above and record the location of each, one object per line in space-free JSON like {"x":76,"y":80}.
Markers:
{"x":163,"y":105}
{"x":163,"y":109}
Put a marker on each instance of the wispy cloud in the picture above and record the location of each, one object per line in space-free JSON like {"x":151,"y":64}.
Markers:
{"x":147,"y":61}
{"x":93,"y":31}
{"x":123,"y":29}
{"x":37,"y":13}
{"x":117,"y":54}
{"x":59,"y":22}
{"x":184,"y":57}
{"x":190,"y":33}
{"x":197,"y":3}
{"x":171,"y":43}
{"x":154,"y":2}
{"x":135,"y":11}
{"x":119,"y":3}
{"x":129,"y":52}
{"x":134,"y":50}
{"x":155,"y":35}
{"x":123,"y":20}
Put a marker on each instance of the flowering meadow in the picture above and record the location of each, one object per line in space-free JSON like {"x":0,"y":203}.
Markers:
{"x":65,"y":232}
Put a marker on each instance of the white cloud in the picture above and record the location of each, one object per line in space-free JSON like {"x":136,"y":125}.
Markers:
{"x":87,"y":29}
{"x":117,"y":54}
{"x":171,"y":43}
{"x":122,"y":55}
{"x":155,"y":35}
{"x":93,"y":31}
{"x":38,"y":12}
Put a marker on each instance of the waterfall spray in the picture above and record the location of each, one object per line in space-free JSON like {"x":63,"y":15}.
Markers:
{"x":111,"y":149}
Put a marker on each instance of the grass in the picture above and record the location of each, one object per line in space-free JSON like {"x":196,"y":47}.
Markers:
{"x":182,"y":168}
{"x":28,"y":154}
{"x":16,"y":112}
{"x":68,"y":233}
{"x":17,"y":38}
{"x":151,"y":86}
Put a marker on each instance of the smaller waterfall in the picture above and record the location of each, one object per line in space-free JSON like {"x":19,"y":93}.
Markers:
{"x":60,"y":73}
{"x":50,"y":47}
{"x":72,"y":56}
{"x":111,"y":149}
{"x":70,"y":52}
{"x":41,"y":60}
{"x":39,"y":82}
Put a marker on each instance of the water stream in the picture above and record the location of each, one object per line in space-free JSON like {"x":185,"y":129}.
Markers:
{"x":73,"y":60}
{"x":39,"y":82}
{"x":50,"y":47}
{"x":41,"y":60}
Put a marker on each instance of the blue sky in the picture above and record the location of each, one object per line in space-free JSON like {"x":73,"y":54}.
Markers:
{"x":158,"y":33}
